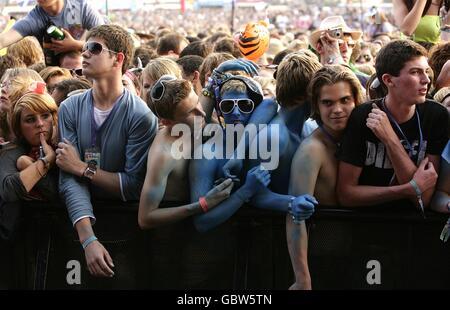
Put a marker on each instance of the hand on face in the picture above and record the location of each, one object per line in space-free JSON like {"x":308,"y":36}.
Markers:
{"x":50,"y":154}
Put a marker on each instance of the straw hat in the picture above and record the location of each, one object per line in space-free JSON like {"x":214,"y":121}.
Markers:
{"x":329,"y":23}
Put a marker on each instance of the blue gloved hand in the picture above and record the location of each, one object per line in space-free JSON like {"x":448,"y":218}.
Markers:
{"x":302,"y":207}
{"x":245,"y":65}
{"x":257,"y":178}
{"x":232,"y":168}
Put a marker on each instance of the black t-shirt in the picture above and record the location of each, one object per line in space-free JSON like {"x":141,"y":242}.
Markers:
{"x":360,"y":146}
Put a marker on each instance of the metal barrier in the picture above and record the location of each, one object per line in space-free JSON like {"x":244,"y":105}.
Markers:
{"x":348,"y":249}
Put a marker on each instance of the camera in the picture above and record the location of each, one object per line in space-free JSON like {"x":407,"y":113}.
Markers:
{"x":335,"y":32}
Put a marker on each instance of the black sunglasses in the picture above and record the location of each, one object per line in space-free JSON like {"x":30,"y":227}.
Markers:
{"x":95,"y":48}
{"x":159,"y":89}
{"x":76,"y":72}
{"x":246,"y":106}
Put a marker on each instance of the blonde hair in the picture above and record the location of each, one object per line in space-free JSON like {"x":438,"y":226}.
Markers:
{"x":38,"y":103}
{"x":441,"y":94}
{"x":21,"y":79}
{"x":50,"y":72}
{"x":293,"y":76}
{"x":160,"y":66}
{"x":28,"y":50}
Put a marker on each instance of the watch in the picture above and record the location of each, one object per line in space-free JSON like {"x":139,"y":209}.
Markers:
{"x":91,"y":170}
{"x":45,"y":161}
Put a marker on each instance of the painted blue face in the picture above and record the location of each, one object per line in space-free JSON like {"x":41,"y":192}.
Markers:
{"x":236,"y":116}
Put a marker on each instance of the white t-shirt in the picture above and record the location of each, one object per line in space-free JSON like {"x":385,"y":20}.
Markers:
{"x":101,"y":116}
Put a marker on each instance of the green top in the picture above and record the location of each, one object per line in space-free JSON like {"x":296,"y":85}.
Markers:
{"x":428,"y":29}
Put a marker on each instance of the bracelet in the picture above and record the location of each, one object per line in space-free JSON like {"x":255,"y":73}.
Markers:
{"x":37,"y":168}
{"x":203,"y":204}
{"x":416,"y":187}
{"x":88,"y":241}
{"x":45,"y":161}
{"x":419,"y":196}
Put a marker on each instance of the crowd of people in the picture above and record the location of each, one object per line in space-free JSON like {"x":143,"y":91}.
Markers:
{"x":353,"y":119}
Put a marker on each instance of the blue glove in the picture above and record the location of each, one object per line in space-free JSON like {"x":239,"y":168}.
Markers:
{"x":302,"y":207}
{"x":245,"y":65}
{"x":257,"y":179}
{"x":232,"y":168}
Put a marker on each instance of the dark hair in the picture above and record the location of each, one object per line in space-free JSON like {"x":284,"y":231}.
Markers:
{"x":228,"y":45}
{"x":116,"y":39}
{"x":145,"y":54}
{"x":190,"y":64}
{"x":192,"y":39}
{"x":37,"y":67}
{"x":216,"y":37}
{"x":280,"y":56}
{"x":169,"y":42}
{"x":410,"y":4}
{"x":392,"y":57}
{"x":67,"y":86}
{"x":439,"y":55}
{"x":198,"y":48}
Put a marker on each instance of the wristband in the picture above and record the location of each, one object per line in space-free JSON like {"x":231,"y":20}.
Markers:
{"x":419,"y":196}
{"x":203,"y":204}
{"x":416,"y":187}
{"x":88,"y":241}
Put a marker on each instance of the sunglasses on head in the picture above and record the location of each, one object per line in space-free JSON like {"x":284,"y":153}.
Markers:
{"x":95,"y":48}
{"x":246,"y":106}
{"x":159,"y":89}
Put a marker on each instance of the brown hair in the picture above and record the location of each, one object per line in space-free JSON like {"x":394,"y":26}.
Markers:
{"x":439,"y":55}
{"x":293,"y":76}
{"x":50,"y":72}
{"x":211,"y":62}
{"x":392,"y":57}
{"x":28,"y":50}
{"x":175,"y":91}
{"x":330,"y":75}
{"x":116,"y":39}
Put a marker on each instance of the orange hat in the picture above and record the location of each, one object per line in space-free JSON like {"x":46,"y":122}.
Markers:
{"x":254,"y":40}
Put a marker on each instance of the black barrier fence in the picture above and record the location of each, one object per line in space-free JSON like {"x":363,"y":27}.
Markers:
{"x":348,"y":249}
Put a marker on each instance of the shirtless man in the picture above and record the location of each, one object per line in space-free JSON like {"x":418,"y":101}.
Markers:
{"x":334,"y":92}
{"x":174,"y":102}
